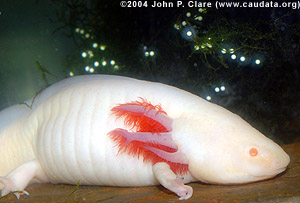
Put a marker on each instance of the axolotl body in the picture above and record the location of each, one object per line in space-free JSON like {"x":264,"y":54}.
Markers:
{"x":118,"y":131}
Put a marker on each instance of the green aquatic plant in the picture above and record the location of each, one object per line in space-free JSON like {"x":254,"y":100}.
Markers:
{"x":44,"y":73}
{"x":75,"y":189}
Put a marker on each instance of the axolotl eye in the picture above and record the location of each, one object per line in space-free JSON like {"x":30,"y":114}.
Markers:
{"x":253,"y":151}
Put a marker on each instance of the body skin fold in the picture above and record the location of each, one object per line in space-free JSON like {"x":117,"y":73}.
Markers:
{"x":64,"y":138}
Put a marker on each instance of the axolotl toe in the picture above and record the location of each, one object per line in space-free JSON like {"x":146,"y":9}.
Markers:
{"x":117,"y":131}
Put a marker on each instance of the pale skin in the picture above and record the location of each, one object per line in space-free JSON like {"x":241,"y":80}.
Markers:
{"x":64,"y":138}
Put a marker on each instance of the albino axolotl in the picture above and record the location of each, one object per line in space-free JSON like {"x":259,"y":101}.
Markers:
{"x":117,"y":131}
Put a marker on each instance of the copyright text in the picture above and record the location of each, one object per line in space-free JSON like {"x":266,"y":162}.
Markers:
{"x":208,"y":4}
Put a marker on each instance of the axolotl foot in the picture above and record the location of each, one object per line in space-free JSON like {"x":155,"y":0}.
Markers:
{"x":18,"y":179}
{"x":10,"y":186}
{"x":169,"y":180}
{"x":183,"y":191}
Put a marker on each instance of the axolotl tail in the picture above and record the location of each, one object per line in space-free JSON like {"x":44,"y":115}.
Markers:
{"x":15,"y":139}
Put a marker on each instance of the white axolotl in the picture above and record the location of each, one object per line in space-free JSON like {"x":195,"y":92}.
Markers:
{"x":118,"y":131}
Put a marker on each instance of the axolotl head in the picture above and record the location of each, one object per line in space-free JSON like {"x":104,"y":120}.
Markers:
{"x":222,"y":148}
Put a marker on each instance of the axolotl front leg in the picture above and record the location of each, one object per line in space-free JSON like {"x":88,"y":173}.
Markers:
{"x":153,"y":141}
{"x":167,"y":178}
{"x":17,"y":180}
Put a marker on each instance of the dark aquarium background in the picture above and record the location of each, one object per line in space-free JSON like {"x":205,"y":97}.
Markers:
{"x":245,"y":59}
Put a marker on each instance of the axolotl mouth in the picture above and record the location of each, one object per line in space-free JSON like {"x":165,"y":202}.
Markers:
{"x":272,"y":174}
{"x":280,"y":169}
{"x":258,"y":178}
{"x":265,"y":170}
